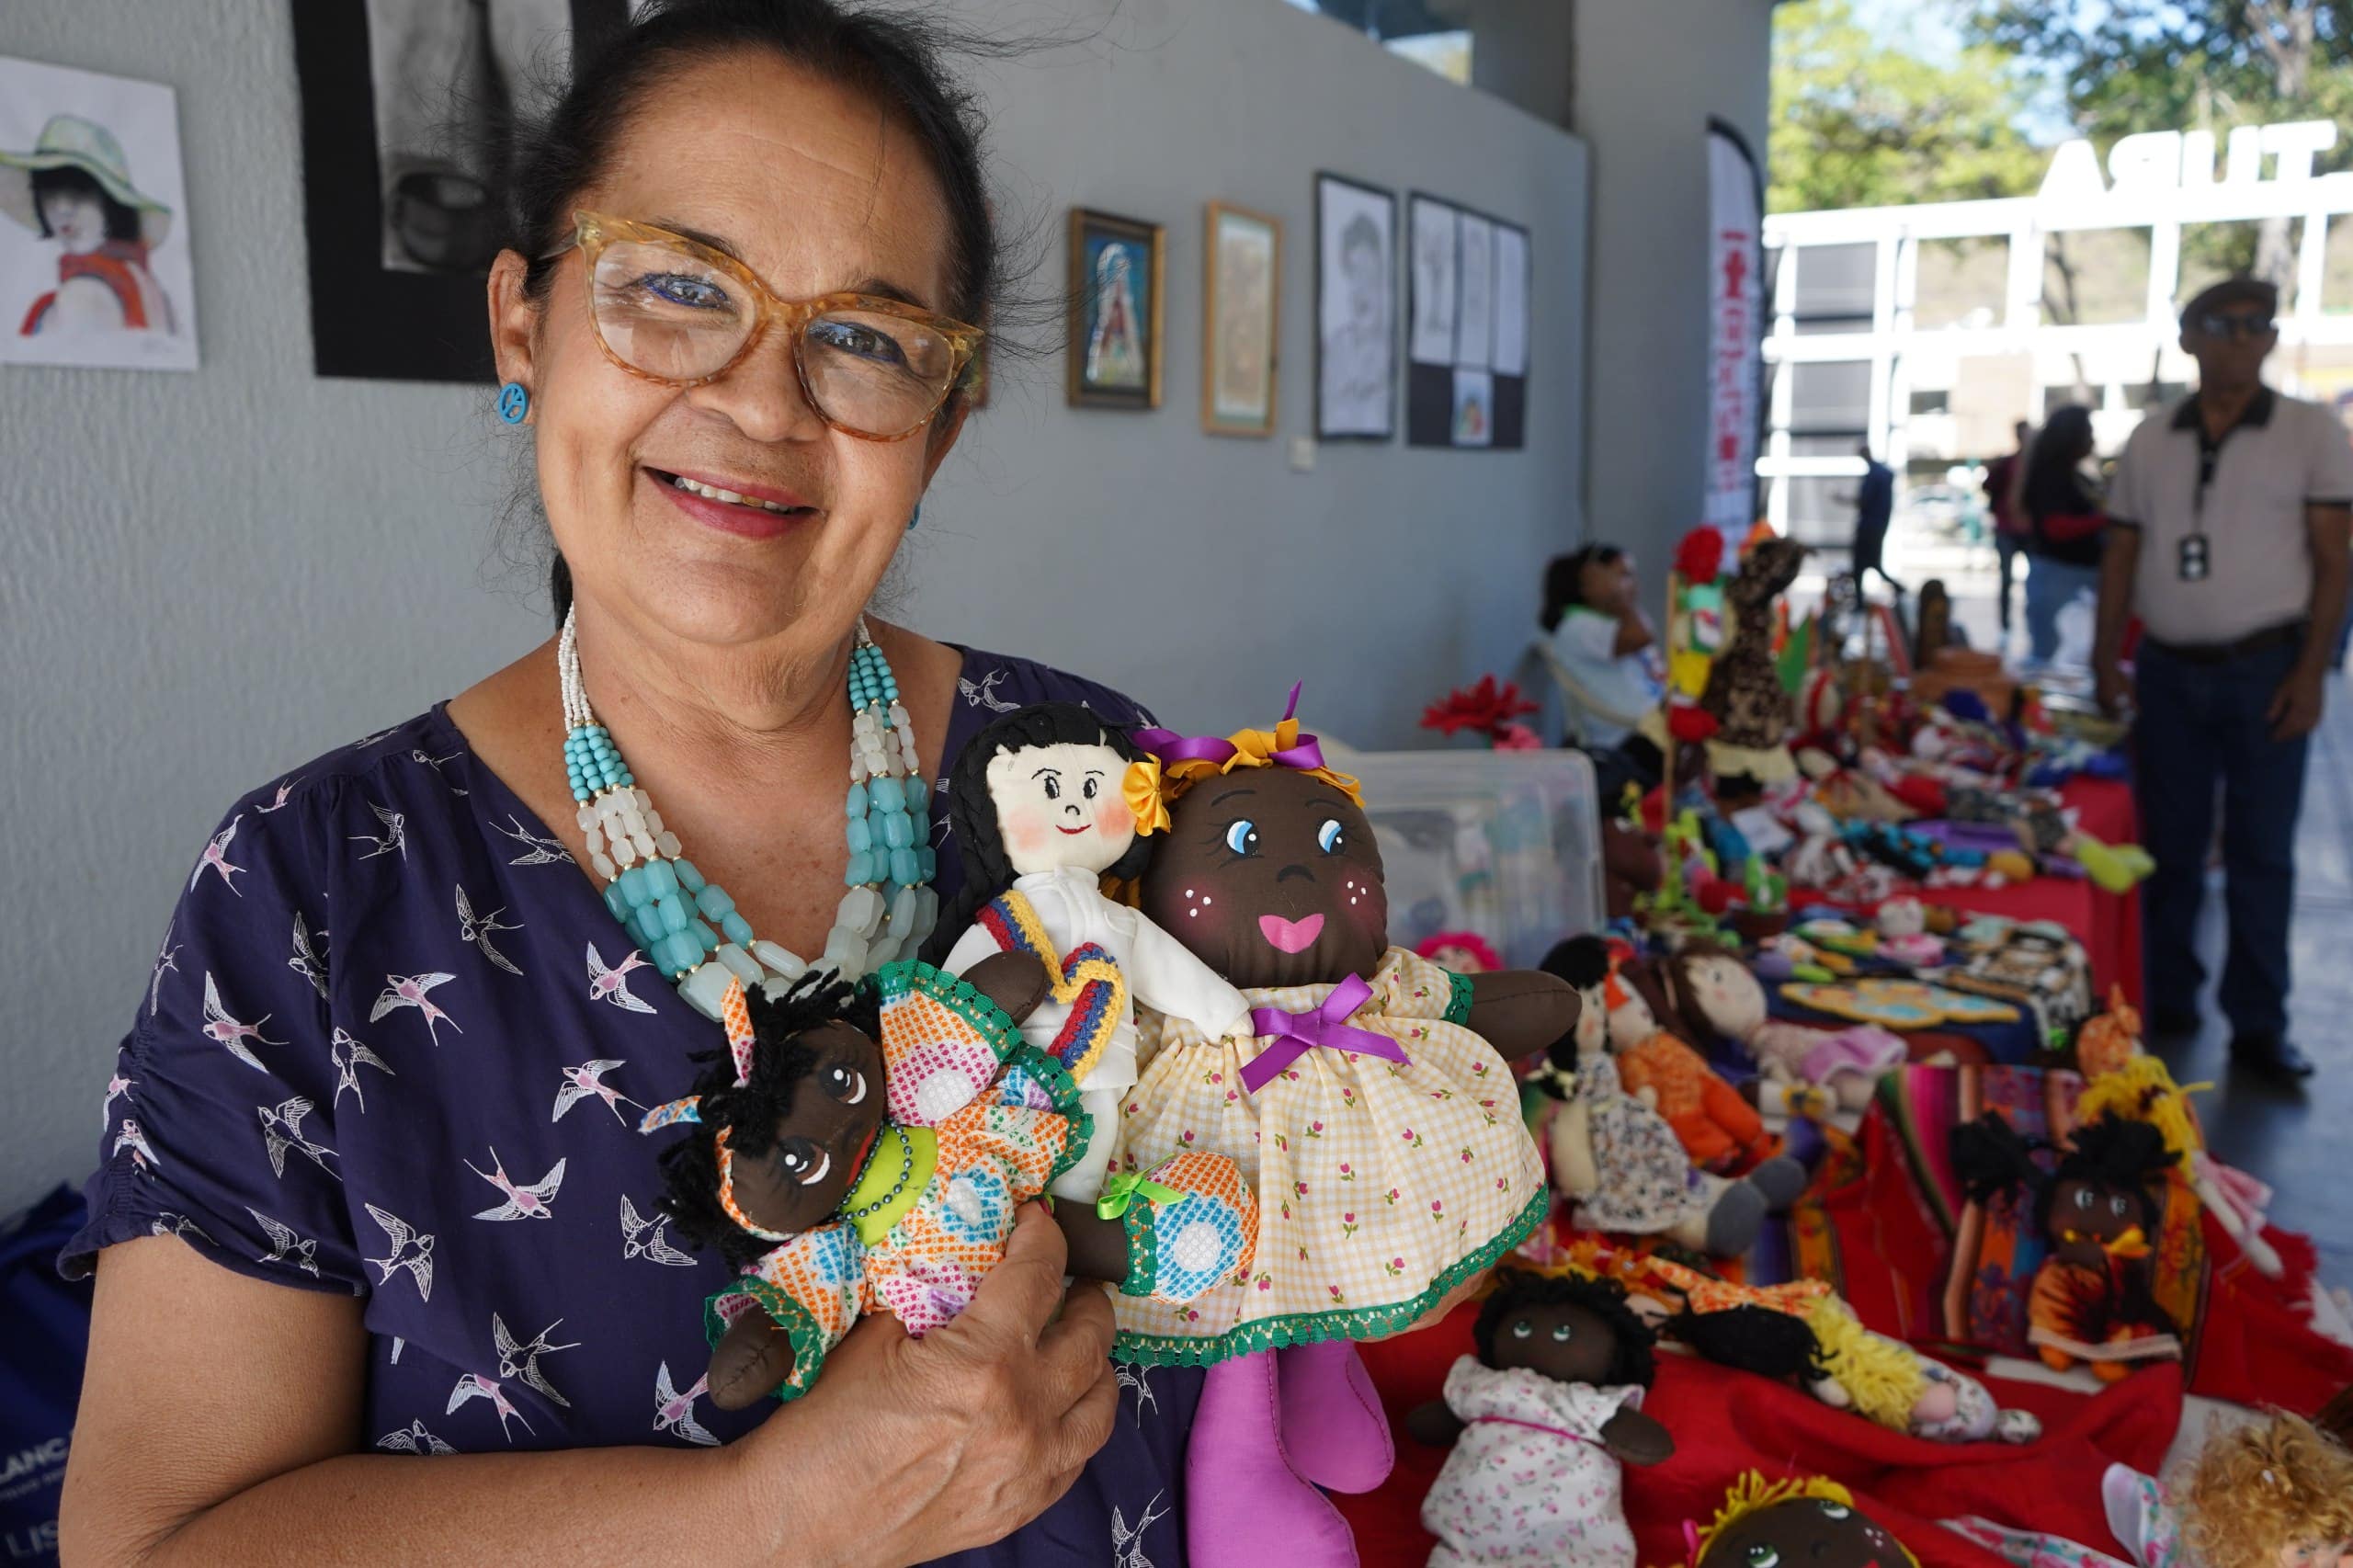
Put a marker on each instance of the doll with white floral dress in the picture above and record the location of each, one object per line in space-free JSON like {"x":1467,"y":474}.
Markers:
{"x":1038,"y":805}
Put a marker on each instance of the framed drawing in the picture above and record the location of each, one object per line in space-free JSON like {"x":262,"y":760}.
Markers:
{"x":404,"y":170}
{"x":1355,"y":311}
{"x":1115,"y":291}
{"x":1466,"y":372}
{"x":1242,"y":322}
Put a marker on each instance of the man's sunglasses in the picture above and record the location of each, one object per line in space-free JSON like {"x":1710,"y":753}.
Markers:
{"x":2214,"y":324}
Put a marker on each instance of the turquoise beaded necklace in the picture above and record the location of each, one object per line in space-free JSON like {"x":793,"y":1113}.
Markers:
{"x":686,"y":925}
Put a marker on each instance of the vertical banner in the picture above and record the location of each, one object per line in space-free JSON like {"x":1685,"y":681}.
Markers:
{"x":1735,"y":330}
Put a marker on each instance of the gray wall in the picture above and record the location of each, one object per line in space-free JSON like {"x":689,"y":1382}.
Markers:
{"x":214,"y":576}
{"x":1648,"y":74}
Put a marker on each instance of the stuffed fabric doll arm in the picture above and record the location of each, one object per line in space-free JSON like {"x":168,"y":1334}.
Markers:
{"x":1522,"y":1011}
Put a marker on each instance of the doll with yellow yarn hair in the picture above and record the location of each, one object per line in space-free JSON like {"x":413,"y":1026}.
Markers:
{"x":1370,"y":1099}
{"x":1809,"y":1522}
{"x":2274,"y":1495}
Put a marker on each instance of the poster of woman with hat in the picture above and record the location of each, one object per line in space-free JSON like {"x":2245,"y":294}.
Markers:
{"x":94,"y":260}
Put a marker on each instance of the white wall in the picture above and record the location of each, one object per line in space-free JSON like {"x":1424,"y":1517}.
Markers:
{"x":213,"y":576}
{"x":1649,"y":74}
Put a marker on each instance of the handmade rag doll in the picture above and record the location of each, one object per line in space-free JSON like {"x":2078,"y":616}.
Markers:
{"x":1370,"y":1098}
{"x":1721,"y":1131}
{"x":1717,"y":994}
{"x":2279,"y":1494}
{"x":1797,"y":1523}
{"x":1804,"y":1331}
{"x":866,"y":1146}
{"x":1541,"y":1420}
{"x":1039,"y":812}
{"x":1616,"y":1159}
{"x":2092,"y":1300}
{"x":1744,"y":692}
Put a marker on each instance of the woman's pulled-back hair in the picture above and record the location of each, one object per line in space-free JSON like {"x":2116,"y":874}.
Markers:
{"x":893,"y":57}
{"x":1565,"y":580}
{"x":972,"y":809}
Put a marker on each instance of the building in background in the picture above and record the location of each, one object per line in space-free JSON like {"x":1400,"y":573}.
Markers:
{"x":1927,"y":331}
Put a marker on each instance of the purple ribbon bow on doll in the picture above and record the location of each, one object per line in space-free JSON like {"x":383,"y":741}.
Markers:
{"x":1299,"y":1033}
{"x":1287,"y":747}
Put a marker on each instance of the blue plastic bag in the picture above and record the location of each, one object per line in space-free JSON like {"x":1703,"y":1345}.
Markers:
{"x":44,"y":1338}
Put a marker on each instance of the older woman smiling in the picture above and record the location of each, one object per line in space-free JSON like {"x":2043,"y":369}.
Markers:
{"x":386,"y":1197}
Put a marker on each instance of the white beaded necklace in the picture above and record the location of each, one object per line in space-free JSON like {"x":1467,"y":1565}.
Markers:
{"x":687,"y":925}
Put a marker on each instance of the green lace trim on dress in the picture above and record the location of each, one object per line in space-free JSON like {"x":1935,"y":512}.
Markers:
{"x":960,"y":998}
{"x":1310,"y":1328}
{"x":1458,"y":1002}
{"x":809,"y":1345}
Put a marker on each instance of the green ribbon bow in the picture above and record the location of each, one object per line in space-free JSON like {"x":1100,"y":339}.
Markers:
{"x":1125,"y":1187}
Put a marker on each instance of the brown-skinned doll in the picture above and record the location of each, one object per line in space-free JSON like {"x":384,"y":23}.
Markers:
{"x":1369,"y":1101}
{"x":865,"y":1147}
{"x":1809,"y":1522}
{"x":1541,"y":1420}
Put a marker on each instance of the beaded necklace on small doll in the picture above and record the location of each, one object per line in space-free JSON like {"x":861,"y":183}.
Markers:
{"x":672,"y":909}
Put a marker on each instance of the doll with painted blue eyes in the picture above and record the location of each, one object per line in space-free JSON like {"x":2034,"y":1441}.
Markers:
{"x":1541,"y":1420}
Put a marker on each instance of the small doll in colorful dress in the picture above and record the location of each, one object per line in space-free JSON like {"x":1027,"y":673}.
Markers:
{"x":1041,"y":816}
{"x":1541,"y":1420}
{"x":1369,"y":1100}
{"x":1721,"y":1130}
{"x":863,"y":1147}
{"x":1801,"y":1522}
{"x":2092,"y":1300}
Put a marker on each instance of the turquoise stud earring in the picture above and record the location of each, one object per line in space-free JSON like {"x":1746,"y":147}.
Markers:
{"x":514,"y":403}
{"x":916,"y":519}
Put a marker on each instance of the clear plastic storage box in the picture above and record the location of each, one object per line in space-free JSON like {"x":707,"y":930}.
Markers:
{"x":1504,"y":844}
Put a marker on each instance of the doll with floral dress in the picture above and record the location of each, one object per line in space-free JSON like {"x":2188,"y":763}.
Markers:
{"x":864,"y":1147}
{"x":1039,"y":812}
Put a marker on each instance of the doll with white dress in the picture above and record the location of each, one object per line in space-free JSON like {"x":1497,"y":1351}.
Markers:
{"x":1039,"y":811}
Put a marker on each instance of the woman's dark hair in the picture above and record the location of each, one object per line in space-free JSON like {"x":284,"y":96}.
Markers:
{"x":122,"y":218}
{"x":1752,"y":1339}
{"x":749,"y":1113}
{"x":1565,"y":580}
{"x":1630,"y":1362}
{"x":971,"y":810}
{"x":2052,"y":485}
{"x":895,"y":58}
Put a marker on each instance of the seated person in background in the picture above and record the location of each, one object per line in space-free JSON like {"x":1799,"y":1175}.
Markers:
{"x":1608,"y":652}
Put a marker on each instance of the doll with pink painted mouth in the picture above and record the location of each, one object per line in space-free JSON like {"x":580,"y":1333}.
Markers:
{"x":1370,"y":1098}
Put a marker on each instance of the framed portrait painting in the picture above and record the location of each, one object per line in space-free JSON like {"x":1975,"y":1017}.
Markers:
{"x":1242,"y":322}
{"x":1115,"y":294}
{"x":1355,"y":311}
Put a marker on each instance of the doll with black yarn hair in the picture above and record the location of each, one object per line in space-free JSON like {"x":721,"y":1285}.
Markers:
{"x":1041,"y":814}
{"x":2092,"y":1300}
{"x":1541,"y":1419}
{"x":863,"y":1147}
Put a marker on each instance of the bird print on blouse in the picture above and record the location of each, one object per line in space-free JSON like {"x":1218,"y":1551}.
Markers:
{"x":611,"y":984}
{"x":644,"y":1238}
{"x":587,"y":1079}
{"x":477,"y":931}
{"x":675,"y":1412}
{"x":531,"y":1201}
{"x":216,"y":858}
{"x":472,"y":1386}
{"x":410,"y":990}
{"x":1139,"y":1379}
{"x":412,"y":1251}
{"x":368,"y":742}
{"x":349,"y":1056}
{"x":423,"y":1060}
{"x":308,"y":962}
{"x":281,"y":1129}
{"x":984,"y":694}
{"x":222,"y":1029}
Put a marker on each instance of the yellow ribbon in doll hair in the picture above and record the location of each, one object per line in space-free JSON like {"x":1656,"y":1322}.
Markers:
{"x":1753,"y":1494}
{"x":1141,"y":786}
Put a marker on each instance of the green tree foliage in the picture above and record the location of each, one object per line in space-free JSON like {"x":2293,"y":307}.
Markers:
{"x":1858,"y":124}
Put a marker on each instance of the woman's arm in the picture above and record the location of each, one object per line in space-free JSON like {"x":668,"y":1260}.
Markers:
{"x":219,"y":1422}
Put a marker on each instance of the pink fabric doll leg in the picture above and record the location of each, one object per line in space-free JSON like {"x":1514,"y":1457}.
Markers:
{"x":1333,"y":1428}
{"x":1246,"y":1504}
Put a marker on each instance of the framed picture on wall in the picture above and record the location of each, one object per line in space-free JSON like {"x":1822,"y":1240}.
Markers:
{"x":1355,"y":311}
{"x":1115,"y":292}
{"x":1466,"y":377}
{"x":405,"y":175}
{"x":1241,"y":323}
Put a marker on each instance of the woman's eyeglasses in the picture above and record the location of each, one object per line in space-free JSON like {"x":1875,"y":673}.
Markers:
{"x":671,"y":310}
{"x":2216,"y":324}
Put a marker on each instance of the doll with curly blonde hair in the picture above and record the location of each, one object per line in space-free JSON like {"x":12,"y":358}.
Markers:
{"x":2275,"y":1495}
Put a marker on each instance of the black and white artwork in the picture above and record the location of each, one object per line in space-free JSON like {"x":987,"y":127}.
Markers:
{"x":408,"y":108}
{"x":1355,"y":311}
{"x":1466,"y":376}
{"x":1433,"y":245}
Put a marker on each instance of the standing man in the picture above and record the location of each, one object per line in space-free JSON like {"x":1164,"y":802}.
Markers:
{"x":2001,"y":481}
{"x":2230,"y":512}
{"x":1874,"y":506}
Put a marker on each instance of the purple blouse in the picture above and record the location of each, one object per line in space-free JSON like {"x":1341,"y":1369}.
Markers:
{"x":396,"y":1046}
